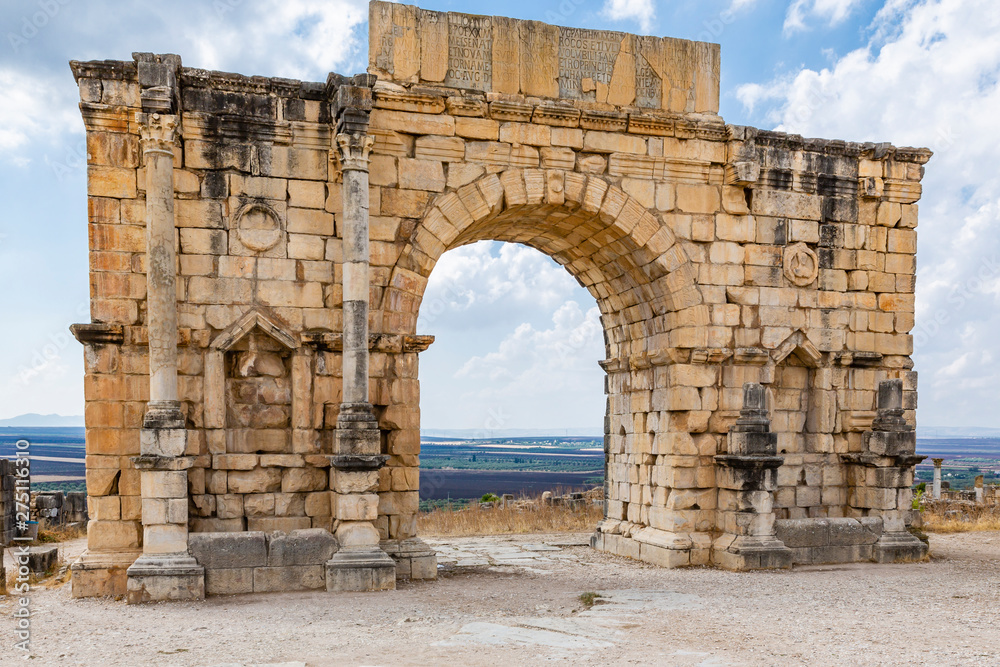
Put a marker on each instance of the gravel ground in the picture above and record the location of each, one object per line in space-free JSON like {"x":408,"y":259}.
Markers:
{"x":515,"y":601}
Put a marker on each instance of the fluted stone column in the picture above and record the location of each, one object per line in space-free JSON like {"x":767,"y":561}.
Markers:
{"x":360,"y":564}
{"x":166,"y":570}
{"x":936,"y":488}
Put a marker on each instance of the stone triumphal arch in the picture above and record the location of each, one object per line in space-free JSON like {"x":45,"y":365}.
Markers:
{"x":259,"y":248}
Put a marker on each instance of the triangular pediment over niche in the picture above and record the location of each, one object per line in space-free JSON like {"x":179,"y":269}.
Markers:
{"x":803,"y":349}
{"x":255,"y":318}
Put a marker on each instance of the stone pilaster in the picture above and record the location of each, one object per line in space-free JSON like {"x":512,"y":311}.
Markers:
{"x":747,"y":478}
{"x":166,"y":570}
{"x":360,"y":564}
{"x":880,"y":477}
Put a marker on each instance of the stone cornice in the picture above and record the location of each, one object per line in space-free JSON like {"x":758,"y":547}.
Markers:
{"x":836,"y":147}
{"x":393,"y":343}
{"x":98,"y":333}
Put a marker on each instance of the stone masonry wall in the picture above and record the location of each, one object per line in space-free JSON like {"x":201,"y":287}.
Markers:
{"x":256,"y":207}
{"x":719,"y":255}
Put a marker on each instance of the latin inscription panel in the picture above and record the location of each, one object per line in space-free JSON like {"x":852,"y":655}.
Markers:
{"x":586,"y":54}
{"x":501,"y":55}
{"x":470,"y":52}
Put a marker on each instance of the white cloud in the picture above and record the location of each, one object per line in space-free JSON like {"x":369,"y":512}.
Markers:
{"x":301,"y":38}
{"x":32,"y":108}
{"x":287,"y":38}
{"x":640,"y":11}
{"x":832,"y":12}
{"x":929,"y":77}
{"x":485,"y":282}
{"x":533,"y":361}
{"x":517,"y":336}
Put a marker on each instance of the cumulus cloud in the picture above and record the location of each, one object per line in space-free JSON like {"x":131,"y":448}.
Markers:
{"x":288,"y":38}
{"x":831,"y":12}
{"x":640,"y":11}
{"x":32,"y":108}
{"x":484,"y":282}
{"x":536,"y":361}
{"x":518,"y":341}
{"x":929,"y":77}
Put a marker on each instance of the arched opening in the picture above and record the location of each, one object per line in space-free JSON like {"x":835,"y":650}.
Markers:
{"x":512,"y":396}
{"x":624,"y":255}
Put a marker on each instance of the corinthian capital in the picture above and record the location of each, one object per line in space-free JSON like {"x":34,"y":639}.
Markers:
{"x":158,"y":132}
{"x":353,"y":151}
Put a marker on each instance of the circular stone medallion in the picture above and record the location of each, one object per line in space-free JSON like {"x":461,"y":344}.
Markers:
{"x":257,"y":228}
{"x":801,"y":264}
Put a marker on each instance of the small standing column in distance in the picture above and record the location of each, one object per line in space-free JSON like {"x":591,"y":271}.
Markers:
{"x":936,"y":488}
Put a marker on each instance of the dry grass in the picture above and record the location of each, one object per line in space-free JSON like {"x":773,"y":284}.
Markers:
{"x":959,"y":517}
{"x":61,"y":533}
{"x":509,"y":521}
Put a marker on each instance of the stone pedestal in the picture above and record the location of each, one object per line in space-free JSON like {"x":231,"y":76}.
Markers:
{"x":360,"y":564}
{"x":414,"y":558}
{"x":166,"y":570}
{"x":879,"y":478}
{"x":360,"y":569}
{"x":157,"y":577}
{"x":747,"y":478}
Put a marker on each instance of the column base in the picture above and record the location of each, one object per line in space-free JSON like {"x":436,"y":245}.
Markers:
{"x":750,"y":552}
{"x":414,"y":559}
{"x":154,"y":578}
{"x":899,"y":548}
{"x":97,"y":574}
{"x":360,"y":569}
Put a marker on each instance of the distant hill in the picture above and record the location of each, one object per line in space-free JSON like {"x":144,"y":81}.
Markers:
{"x":468,"y":433}
{"x":34,"y":419}
{"x":956,"y":432}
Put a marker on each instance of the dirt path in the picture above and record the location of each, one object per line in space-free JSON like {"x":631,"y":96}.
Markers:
{"x":515,"y":601}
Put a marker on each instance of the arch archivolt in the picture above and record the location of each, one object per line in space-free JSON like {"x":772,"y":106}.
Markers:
{"x":625,"y":255}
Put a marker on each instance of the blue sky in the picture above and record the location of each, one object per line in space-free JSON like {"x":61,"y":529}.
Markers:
{"x":518,"y":340}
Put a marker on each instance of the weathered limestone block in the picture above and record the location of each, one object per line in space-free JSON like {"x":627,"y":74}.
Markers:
{"x":258,"y":480}
{"x":301,"y":547}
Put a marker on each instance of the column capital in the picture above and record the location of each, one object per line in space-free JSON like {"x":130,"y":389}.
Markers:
{"x":158,"y":132}
{"x":353,"y":151}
